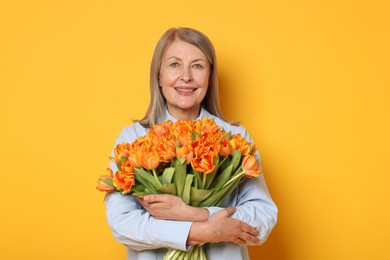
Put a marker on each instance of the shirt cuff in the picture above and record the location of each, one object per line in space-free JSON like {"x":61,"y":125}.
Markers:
{"x":213,"y":210}
{"x":175,"y":233}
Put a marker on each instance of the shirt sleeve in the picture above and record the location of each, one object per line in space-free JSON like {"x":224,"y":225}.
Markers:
{"x":132,"y":225}
{"x":135,"y":227}
{"x":253,"y":203}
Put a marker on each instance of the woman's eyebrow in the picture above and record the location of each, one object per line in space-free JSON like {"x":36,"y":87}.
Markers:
{"x":177,"y":58}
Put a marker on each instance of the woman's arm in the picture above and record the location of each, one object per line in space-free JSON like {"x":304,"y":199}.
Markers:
{"x":133,"y":226}
{"x":166,"y":206}
{"x":222,"y":228}
{"x":218,"y":228}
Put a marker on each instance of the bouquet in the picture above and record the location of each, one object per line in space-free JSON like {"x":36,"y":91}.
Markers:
{"x":195,"y":160}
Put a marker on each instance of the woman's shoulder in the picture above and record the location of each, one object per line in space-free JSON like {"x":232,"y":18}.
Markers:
{"x":131,"y":132}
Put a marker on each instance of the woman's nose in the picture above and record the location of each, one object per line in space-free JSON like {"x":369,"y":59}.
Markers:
{"x":186,"y":75}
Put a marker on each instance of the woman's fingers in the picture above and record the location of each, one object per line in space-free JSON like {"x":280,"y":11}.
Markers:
{"x":249,"y":238}
{"x":248,"y":229}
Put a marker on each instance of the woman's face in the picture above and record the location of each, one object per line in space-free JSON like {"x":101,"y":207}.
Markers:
{"x":184,"y":79}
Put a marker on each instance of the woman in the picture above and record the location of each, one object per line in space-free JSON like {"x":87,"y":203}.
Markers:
{"x":183,"y":85}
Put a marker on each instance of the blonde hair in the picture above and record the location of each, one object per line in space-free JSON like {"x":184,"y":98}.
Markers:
{"x":156,"y":109}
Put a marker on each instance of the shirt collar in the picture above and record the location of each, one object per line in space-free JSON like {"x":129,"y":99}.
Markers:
{"x":203,"y":113}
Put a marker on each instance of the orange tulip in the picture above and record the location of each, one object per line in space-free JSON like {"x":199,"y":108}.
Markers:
{"x":165,"y":151}
{"x":239,"y":143}
{"x":121,"y":150}
{"x":160,"y":130}
{"x":252,"y":173}
{"x":134,"y":158}
{"x":182,"y":128}
{"x":149,"y":160}
{"x":123,"y":181}
{"x":102,"y":185}
{"x":185,"y":152}
{"x":249,"y":163}
{"x":203,"y":163}
{"x":250,"y":166}
{"x":226,"y":147}
{"x":127,"y":167}
{"x":206,"y":125}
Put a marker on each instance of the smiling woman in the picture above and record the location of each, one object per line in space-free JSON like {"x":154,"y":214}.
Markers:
{"x":183,"y":84}
{"x":184,"y":77}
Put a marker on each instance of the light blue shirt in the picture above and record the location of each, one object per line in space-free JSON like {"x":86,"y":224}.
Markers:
{"x":147,"y":238}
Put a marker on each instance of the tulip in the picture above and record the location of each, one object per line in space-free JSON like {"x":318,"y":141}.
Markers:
{"x":226,"y":147}
{"x":149,"y":160}
{"x":184,"y":152}
{"x":252,"y":173}
{"x":207,"y":125}
{"x":249,"y":163}
{"x":160,"y":130}
{"x":203,"y":163}
{"x":239,"y":143}
{"x":104,"y":180}
{"x":127,"y":167}
{"x":165,"y":150}
{"x":250,"y":166}
{"x":134,"y":159}
{"x":123,"y":181}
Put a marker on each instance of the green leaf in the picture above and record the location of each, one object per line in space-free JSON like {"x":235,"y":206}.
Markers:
{"x":168,"y":188}
{"x":230,"y":189}
{"x":147,"y":176}
{"x":140,"y":194}
{"x":194,"y":136}
{"x":212,"y":200}
{"x":167,"y":175}
{"x":123,"y":159}
{"x":236,"y":158}
{"x":220,"y":195}
{"x":187,"y":188}
{"x":199,"y":180}
{"x":199,"y":195}
{"x":118,"y":165}
{"x":179,"y":176}
{"x":108,"y":182}
{"x":138,"y":187}
{"x":224,"y":163}
{"x":146,"y":179}
{"x":182,"y":160}
{"x":195,"y":183}
{"x":223,"y":178}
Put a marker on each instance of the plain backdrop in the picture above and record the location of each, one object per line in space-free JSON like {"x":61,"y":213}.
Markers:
{"x":308,"y":79}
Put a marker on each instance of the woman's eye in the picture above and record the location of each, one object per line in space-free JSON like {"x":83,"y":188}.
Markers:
{"x":198,"y":66}
{"x":174,"y":65}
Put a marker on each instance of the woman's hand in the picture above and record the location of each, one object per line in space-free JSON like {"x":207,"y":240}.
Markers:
{"x":221,"y":228}
{"x":165,"y":206}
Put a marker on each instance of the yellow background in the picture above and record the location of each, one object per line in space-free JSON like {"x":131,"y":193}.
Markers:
{"x":309,"y":80}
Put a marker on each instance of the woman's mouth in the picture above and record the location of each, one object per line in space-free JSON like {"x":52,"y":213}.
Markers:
{"x":185,"y":90}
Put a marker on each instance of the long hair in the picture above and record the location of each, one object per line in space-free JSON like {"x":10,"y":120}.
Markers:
{"x":156,"y":109}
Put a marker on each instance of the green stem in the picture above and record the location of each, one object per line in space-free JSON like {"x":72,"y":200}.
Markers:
{"x":169,"y":254}
{"x":204,"y":180}
{"x":233,"y":179}
{"x":156,"y":177}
